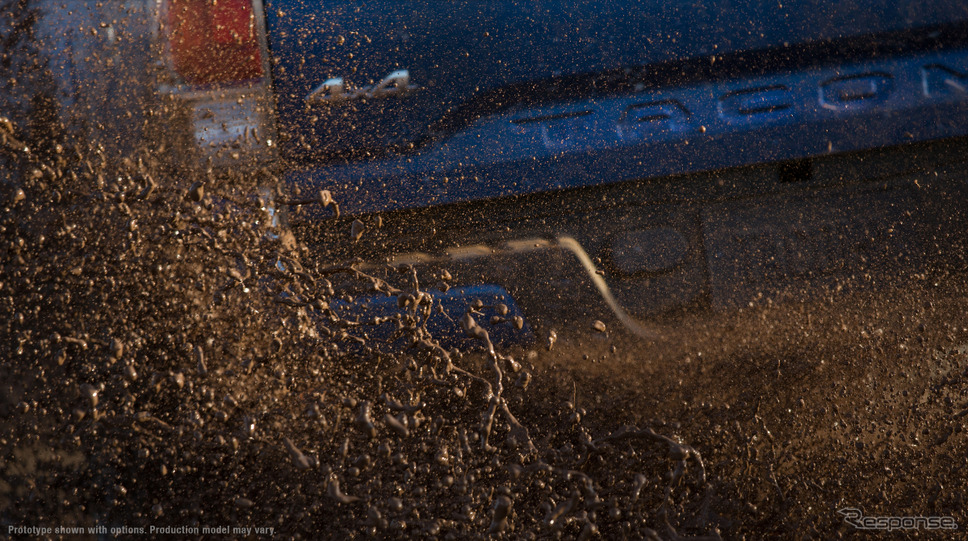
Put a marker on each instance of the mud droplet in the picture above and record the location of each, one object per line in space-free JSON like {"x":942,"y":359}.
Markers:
{"x":326,"y":199}
{"x":200,"y":361}
{"x":334,"y":492}
{"x":363,"y":421}
{"x":472,"y":329}
{"x":117,"y":349}
{"x":375,"y":518}
{"x":230,"y":401}
{"x":90,"y":393}
{"x":197,"y":192}
{"x":443,"y":457}
{"x":299,"y":460}
{"x":356,"y":230}
{"x":501,"y":509}
{"x":562,"y":509}
{"x":552,"y":338}
{"x":248,"y":426}
{"x":396,"y":425}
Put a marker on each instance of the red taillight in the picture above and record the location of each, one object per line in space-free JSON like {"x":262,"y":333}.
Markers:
{"x":214,"y":41}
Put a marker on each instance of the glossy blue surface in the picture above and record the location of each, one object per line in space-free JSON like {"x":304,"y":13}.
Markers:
{"x":668,"y":131}
{"x":517,"y":97}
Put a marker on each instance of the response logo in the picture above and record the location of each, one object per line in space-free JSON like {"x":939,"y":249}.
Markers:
{"x":855,"y":517}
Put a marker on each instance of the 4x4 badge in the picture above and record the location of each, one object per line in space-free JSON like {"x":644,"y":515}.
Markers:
{"x":334,"y":90}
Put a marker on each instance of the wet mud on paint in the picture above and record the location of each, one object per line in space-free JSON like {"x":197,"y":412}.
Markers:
{"x":171,"y":361}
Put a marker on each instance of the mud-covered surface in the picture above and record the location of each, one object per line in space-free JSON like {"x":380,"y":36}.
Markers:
{"x":802,"y":410}
{"x":171,"y":363}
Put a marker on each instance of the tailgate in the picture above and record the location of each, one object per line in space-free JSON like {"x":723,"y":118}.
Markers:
{"x":410,"y":104}
{"x":460,"y":53}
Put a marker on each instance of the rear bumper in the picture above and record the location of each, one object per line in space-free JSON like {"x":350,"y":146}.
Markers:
{"x":638,"y":253}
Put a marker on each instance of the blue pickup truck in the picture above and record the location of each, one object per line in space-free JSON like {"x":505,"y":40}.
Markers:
{"x":653,"y":157}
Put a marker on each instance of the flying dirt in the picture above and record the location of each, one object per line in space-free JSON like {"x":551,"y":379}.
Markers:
{"x":175,"y":363}
{"x":171,"y":360}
